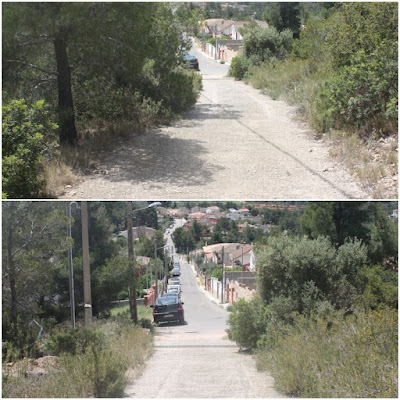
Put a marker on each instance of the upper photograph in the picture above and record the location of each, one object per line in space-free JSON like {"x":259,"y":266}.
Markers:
{"x":201,"y":100}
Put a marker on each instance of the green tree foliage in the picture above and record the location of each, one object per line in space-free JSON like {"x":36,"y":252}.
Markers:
{"x":283,"y":16}
{"x":145,"y":245}
{"x":361,"y":27}
{"x":300,"y":268}
{"x":28,"y":139}
{"x":183,"y":240}
{"x":336,"y":220}
{"x":265,"y":44}
{"x":34,"y":242}
{"x":317,"y":220}
{"x":124,"y":58}
{"x":383,"y":236}
{"x":343,"y":67}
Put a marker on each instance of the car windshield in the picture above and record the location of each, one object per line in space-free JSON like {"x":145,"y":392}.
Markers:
{"x":164,"y":301}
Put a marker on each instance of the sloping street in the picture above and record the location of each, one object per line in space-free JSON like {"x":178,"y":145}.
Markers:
{"x":197,"y":360}
{"x":235,"y":143}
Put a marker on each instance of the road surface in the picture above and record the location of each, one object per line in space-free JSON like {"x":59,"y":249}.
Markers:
{"x":235,"y":144}
{"x":196,"y":360}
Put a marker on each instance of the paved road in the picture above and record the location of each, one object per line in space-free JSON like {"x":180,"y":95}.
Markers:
{"x":235,"y":143}
{"x":197,"y":359}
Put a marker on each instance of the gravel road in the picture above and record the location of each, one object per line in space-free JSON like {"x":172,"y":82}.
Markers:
{"x":236,"y":143}
{"x":196,"y":360}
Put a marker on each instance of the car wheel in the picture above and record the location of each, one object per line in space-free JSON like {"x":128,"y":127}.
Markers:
{"x":181,"y":321}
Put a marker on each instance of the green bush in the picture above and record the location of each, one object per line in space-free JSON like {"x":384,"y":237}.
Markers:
{"x":364,"y":94}
{"x":239,"y":67}
{"x":74,"y":342}
{"x":248,"y":321}
{"x":180,"y":90}
{"x":28,"y":137}
{"x":378,"y":285}
{"x":61,"y":343}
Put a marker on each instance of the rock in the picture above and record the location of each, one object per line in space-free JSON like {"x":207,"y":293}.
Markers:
{"x":36,"y":373}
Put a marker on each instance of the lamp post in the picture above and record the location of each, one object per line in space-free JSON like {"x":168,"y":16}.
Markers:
{"x":87,"y":292}
{"x":131,"y":261}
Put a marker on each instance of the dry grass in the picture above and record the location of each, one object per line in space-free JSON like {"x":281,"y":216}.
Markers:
{"x":123,"y":357}
{"x":71,"y":162}
{"x":374,"y":162}
{"x":347,"y":357}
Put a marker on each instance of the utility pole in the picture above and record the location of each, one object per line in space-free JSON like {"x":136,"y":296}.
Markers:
{"x":222,"y":291}
{"x":71,"y":269}
{"x":131,"y":264}
{"x":155,"y":267}
{"x":165,"y":270}
{"x":87,"y":296}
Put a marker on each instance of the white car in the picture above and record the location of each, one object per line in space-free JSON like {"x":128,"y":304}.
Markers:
{"x":174,"y":289}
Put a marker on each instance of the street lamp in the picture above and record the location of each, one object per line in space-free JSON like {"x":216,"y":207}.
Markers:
{"x":131,"y":261}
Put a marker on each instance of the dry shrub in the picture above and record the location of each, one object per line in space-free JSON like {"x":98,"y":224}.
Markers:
{"x":340,"y":357}
{"x":375,"y":162}
{"x":98,"y":370}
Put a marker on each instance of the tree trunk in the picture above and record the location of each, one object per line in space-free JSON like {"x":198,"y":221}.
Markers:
{"x":68,"y":134}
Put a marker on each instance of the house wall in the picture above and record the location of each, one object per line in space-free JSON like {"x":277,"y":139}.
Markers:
{"x":246,"y":277}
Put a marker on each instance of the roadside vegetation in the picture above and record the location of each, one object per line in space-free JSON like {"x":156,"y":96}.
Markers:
{"x":324,"y":322}
{"x":86,"y":362}
{"x":341,"y":70}
{"x":37,"y":332}
{"x":103,"y":72}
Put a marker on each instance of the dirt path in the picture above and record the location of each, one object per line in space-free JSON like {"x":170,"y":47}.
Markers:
{"x":234,"y":144}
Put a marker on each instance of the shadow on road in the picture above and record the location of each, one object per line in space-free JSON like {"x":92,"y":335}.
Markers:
{"x":170,"y":323}
{"x":208,"y":111}
{"x":159,"y":159}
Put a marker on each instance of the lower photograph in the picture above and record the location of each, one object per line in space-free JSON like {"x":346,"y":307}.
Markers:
{"x":199,"y":299}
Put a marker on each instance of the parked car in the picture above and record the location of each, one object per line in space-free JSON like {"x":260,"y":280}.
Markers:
{"x":174,"y":293}
{"x":174,"y":281}
{"x":176,"y":272}
{"x":191,"y":61}
{"x":177,"y":264}
{"x":174,"y":288}
{"x":168,"y":308}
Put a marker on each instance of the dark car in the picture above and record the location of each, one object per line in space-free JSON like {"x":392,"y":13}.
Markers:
{"x":191,"y":61}
{"x":168,"y":308}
